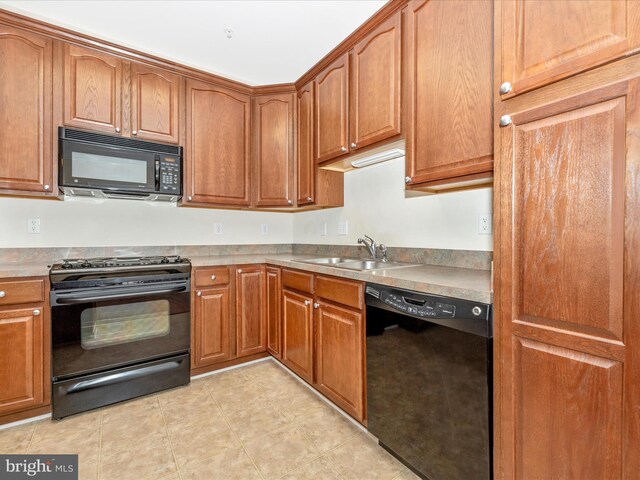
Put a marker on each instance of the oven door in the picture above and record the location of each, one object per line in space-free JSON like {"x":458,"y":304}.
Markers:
{"x":86,"y":165}
{"x":98,"y":329}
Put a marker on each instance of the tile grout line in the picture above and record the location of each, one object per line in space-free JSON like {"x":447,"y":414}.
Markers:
{"x":33,"y":434}
{"x":99,"y":445}
{"x":166,"y":431}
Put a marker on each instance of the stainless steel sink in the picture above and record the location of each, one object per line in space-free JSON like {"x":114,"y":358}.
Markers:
{"x":355,"y":264}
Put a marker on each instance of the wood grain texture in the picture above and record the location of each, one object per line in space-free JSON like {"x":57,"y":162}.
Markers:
{"x":251,"y":317}
{"x":155,"y":104}
{"x":297,"y":333}
{"x":273,"y":152}
{"x":449,"y":112}
{"x":297,"y":280}
{"x":345,"y":292}
{"x":375,"y":94}
{"x":274,"y":311}
{"x":542,"y":42}
{"x":92,"y":90}
{"x":211,"y":276}
{"x":340,"y":357}
{"x":19,"y":291}
{"x":217,"y":148}
{"x":26,"y":136}
{"x":305,"y":159}
{"x":212,"y":321}
{"x":332,"y":111}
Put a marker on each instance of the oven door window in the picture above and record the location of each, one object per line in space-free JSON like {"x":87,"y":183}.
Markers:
{"x":106,"y":325}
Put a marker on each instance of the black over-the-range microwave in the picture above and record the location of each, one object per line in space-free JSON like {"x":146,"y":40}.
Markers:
{"x":106,"y":166}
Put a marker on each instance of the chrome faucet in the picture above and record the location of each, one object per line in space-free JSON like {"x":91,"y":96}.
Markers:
{"x":373,"y":248}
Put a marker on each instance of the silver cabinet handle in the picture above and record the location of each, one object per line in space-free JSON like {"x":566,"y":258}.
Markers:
{"x":309,"y":199}
{"x":213,"y":277}
{"x":505,"y":88}
{"x":199,"y":294}
{"x":316,"y":305}
{"x":290,"y":202}
{"x":189,"y":197}
{"x":239,"y":270}
{"x":353,"y":145}
{"x":117,"y":129}
{"x":505,"y":120}
{"x":407,"y":179}
{"x":36,"y":312}
{"x":343,"y":149}
{"x":307,"y":302}
{"x":135,"y":132}
{"x":47,"y":187}
{"x":2,"y":293}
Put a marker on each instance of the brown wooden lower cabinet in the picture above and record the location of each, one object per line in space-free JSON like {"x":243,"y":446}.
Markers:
{"x":212,"y":327}
{"x":274,"y":312}
{"x":297,"y":326}
{"x":25,"y":345}
{"x":251,"y":316}
{"x":340,"y":356}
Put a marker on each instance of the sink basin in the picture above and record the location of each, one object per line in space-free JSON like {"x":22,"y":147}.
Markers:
{"x":355,"y":264}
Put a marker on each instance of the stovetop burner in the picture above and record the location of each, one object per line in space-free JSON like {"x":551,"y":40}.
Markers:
{"x":119,"y":261}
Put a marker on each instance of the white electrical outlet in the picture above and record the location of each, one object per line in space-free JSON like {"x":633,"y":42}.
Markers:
{"x":264,"y":229}
{"x":343,"y":227}
{"x":217,"y":228}
{"x":323,"y":229}
{"x":33,"y":225}
{"x":485,"y":224}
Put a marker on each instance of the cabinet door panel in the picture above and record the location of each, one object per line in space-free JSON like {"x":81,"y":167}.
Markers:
{"x":450,"y":126}
{"x":217,"y":148}
{"x":273,"y":151}
{"x":274,"y":312}
{"x":305,"y":158}
{"x":332,"y":105}
{"x":568,"y":286}
{"x":212,"y":338}
{"x":155,"y":106}
{"x":92,"y":89}
{"x":375,"y":95}
{"x":340,"y":357}
{"x":21,"y":370}
{"x":26,"y":161}
{"x":543,"y":42}
{"x":297,"y":323}
{"x":251,"y":319}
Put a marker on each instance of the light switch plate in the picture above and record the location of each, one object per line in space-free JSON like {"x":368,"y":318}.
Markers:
{"x":264,"y":229}
{"x":217,"y":228}
{"x":33,"y":225}
{"x":323,"y":229}
{"x":343,"y":227}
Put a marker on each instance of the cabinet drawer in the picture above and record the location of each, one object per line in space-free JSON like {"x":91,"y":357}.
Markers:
{"x":206,"y":277}
{"x":341,"y":291}
{"x":297,"y":280}
{"x":21,"y":291}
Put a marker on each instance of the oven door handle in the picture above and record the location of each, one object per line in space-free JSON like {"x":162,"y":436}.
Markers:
{"x":122,"y":377}
{"x":75,"y":299}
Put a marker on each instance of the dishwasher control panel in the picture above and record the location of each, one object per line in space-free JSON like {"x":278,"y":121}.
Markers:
{"x":418,"y":307}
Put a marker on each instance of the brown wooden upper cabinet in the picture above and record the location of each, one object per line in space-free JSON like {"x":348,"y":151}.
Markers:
{"x":306,"y":181}
{"x":251,"y":315}
{"x":359,"y":105}
{"x":26,"y":158}
{"x":273,"y":149}
{"x":98,"y":96}
{"x":541,"y":42}
{"x":217,"y":148}
{"x":449,"y":118}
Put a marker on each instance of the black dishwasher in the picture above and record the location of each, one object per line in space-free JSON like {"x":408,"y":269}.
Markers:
{"x":429,"y":381}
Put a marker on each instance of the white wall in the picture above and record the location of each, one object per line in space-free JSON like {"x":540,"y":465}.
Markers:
{"x":97,"y":223}
{"x":375,"y":204}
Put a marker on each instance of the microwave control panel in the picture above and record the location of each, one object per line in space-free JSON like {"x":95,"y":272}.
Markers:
{"x":170,"y":175}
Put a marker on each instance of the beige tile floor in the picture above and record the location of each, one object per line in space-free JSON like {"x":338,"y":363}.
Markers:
{"x":253,"y":422}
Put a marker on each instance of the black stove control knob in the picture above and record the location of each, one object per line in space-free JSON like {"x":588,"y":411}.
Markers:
{"x":178,"y":259}
{"x":85,"y":263}
{"x":164,"y":260}
{"x":66,"y":264}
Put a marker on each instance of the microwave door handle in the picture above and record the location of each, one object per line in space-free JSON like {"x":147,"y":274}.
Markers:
{"x":157,"y":175}
{"x":75,"y":299}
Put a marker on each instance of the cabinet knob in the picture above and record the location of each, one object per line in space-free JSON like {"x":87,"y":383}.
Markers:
{"x":117,"y":129}
{"x":316,"y":305}
{"x":309,"y":199}
{"x":353,"y":145}
{"x":239,"y":270}
{"x":2,"y":293}
{"x":36,"y":312}
{"x":343,"y":149}
{"x":190,"y":198}
{"x":290,"y":202}
{"x":199,"y":294}
{"x":307,"y":302}
{"x":135,"y":132}
{"x":47,"y":187}
{"x":407,"y":179}
{"x":213,"y":277}
{"x":505,"y":120}
{"x":505,"y":88}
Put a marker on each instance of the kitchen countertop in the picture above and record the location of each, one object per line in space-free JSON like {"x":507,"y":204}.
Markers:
{"x":468,"y":284}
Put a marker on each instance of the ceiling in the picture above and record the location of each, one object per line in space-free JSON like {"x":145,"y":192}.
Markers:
{"x":273,"y":41}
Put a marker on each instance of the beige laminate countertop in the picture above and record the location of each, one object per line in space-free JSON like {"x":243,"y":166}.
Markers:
{"x":468,"y":284}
